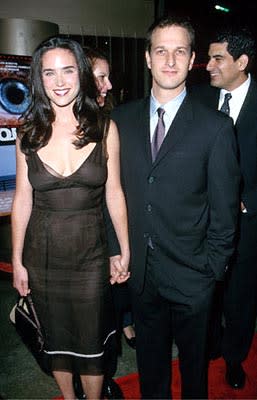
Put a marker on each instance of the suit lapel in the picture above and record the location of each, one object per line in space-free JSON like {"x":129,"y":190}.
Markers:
{"x":144,"y":131}
{"x":247,"y":107}
{"x":178,"y":128}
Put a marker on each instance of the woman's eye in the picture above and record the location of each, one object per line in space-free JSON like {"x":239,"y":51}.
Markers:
{"x":48,"y":73}
{"x":69,"y":71}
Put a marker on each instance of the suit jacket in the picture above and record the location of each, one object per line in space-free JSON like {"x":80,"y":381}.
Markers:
{"x":186,"y":201}
{"x":246,"y":132}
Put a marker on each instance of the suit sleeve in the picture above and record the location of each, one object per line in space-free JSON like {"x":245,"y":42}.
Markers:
{"x":223,"y":193}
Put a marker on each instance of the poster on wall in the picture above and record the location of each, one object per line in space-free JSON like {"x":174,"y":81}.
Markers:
{"x":14,"y":100}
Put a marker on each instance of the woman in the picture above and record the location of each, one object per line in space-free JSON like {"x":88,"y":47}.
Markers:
{"x":67,"y":160}
{"x":101,"y":71}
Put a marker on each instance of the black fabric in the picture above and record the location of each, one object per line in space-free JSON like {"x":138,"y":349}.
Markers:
{"x":158,"y":321}
{"x":186,"y":202}
{"x":240,"y":291}
{"x":65,"y":252}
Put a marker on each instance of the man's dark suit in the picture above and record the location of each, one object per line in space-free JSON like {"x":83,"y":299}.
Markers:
{"x":185,"y":204}
{"x":241,"y":285}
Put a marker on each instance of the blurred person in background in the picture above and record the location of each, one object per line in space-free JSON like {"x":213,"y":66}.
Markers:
{"x":121,"y":297}
{"x":232,"y":53}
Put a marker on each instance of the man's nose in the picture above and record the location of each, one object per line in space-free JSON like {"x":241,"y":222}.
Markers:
{"x":209,"y":65}
{"x":170,"y":59}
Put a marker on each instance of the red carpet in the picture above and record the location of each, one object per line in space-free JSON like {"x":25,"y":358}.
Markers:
{"x":5,"y":267}
{"x":218,"y":389}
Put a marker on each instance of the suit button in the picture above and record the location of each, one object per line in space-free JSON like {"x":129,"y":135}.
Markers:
{"x":150,"y":179}
{"x":149,"y":208}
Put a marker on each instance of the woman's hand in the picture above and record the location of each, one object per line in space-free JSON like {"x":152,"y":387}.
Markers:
{"x":20,"y":279}
{"x":119,"y":269}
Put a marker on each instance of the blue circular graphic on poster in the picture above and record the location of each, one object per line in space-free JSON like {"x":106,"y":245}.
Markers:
{"x":14,"y":96}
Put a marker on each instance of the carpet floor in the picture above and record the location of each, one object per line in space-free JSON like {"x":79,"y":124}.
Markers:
{"x":218,"y":389}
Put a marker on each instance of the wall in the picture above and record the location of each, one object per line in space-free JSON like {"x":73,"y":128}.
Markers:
{"x":86,"y":17}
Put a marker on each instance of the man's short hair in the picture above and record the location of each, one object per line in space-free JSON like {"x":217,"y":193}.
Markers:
{"x":239,"y":41}
{"x":166,"y":22}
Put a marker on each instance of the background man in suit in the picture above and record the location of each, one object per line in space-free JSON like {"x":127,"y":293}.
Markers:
{"x":182,"y":206}
{"x":231,"y":55}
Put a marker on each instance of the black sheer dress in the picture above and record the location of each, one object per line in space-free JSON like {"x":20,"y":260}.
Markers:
{"x":65,"y":252}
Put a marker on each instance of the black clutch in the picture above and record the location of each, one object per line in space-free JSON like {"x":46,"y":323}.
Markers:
{"x":26,"y":322}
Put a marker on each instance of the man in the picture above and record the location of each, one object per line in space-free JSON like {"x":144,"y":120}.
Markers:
{"x":182,"y":206}
{"x":231,"y":55}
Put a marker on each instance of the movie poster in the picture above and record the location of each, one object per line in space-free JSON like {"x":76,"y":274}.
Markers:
{"x":14,"y":100}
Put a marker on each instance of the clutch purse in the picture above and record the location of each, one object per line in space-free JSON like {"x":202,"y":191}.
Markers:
{"x":24,"y":317}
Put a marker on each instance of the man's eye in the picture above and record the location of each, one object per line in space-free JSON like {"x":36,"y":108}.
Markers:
{"x":181,"y":52}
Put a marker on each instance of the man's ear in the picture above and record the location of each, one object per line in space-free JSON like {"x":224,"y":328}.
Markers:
{"x":243,"y":62}
{"x":148,"y":59}
{"x":192,"y":59}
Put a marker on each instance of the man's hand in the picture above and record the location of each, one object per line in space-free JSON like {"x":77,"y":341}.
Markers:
{"x":118,"y":269}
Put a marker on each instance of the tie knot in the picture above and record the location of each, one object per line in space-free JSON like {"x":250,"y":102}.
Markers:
{"x":228,"y":96}
{"x":160,"y":112}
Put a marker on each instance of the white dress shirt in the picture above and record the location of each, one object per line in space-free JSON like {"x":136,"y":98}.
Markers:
{"x":236,"y":102}
{"x":170,"y":108}
{"x":237,"y":99}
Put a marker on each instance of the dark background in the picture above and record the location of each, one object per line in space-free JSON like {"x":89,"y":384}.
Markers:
{"x":206,"y":19}
{"x":129,"y":74}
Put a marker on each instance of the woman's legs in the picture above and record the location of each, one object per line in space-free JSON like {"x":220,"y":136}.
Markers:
{"x":64,"y":381}
{"x":92,"y":386}
{"x":129,"y":331}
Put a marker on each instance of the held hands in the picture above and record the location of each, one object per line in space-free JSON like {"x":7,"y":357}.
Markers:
{"x":119,"y":269}
{"x":20,"y":279}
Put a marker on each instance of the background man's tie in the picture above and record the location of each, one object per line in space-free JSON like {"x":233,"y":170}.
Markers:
{"x":159,"y":133}
{"x":225,"y":106}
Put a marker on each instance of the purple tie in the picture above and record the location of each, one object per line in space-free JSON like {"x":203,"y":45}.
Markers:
{"x":159,"y":134}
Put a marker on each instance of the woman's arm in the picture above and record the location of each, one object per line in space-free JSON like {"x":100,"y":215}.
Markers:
{"x":116,"y":205}
{"x":21,"y":210}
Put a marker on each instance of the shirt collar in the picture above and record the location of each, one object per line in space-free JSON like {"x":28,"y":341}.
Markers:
{"x":240,"y":92}
{"x":168,"y":107}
